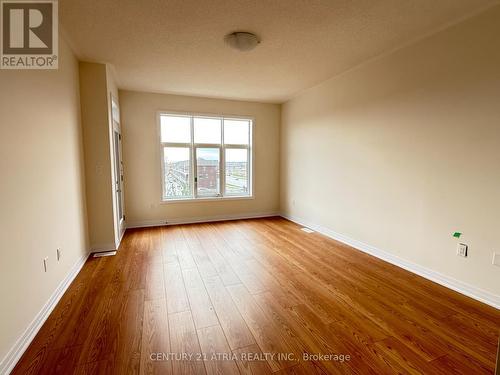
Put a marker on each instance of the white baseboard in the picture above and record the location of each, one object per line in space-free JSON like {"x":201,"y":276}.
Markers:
{"x":200,"y":219}
{"x":447,"y":281}
{"x":10,"y":360}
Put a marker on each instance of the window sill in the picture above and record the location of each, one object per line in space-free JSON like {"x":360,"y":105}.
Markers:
{"x":208,"y":199}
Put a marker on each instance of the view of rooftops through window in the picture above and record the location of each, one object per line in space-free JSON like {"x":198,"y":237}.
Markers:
{"x":221,"y":148}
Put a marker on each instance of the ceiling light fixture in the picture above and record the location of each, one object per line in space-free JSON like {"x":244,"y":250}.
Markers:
{"x":242,"y":40}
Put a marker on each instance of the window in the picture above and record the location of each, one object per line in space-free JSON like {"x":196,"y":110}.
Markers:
{"x":205,"y":157}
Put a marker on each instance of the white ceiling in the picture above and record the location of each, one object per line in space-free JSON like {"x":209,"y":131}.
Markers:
{"x":176,"y":46}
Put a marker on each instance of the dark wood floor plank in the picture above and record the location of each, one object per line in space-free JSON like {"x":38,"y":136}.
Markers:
{"x":154,"y":283}
{"x":168,"y":247}
{"x":301,"y":369}
{"x":104,"y":367}
{"x":102,"y":331}
{"x":402,"y":359}
{"x":375,"y":304}
{"x":201,"y":306}
{"x":426,"y":290}
{"x":459,"y":364}
{"x":61,"y":361}
{"x":128,"y":339}
{"x":216,"y":353}
{"x":214,"y":252}
{"x":199,"y":250}
{"x":232,"y":323}
{"x":70,"y":320}
{"x":257,"y":286}
{"x":155,"y":338}
{"x":184,"y":344}
{"x":175,"y":290}
{"x":266,"y":334}
{"x":312,"y":258}
{"x":296,"y":335}
{"x":186,"y":259}
{"x":250,"y":361}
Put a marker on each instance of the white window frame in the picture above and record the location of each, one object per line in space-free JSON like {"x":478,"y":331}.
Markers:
{"x":192,"y":146}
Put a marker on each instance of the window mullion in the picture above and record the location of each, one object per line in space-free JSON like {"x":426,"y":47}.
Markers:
{"x":250,"y":159}
{"x":249,"y":172}
{"x":236,"y":146}
{"x":162,"y":166}
{"x":173,"y":144}
{"x":222,"y":162}
{"x":207,"y":145}
{"x":194,"y":183}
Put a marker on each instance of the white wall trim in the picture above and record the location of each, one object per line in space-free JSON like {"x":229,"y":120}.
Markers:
{"x":99,"y":249}
{"x":447,"y":281}
{"x":17,"y":350}
{"x":199,"y":219}
{"x":121,"y":236}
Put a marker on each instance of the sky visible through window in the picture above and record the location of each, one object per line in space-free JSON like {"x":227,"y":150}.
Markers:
{"x":207,"y":130}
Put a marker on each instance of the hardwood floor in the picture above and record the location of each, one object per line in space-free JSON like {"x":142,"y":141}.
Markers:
{"x":252,"y":297}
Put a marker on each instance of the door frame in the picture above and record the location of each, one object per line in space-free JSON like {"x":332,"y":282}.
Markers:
{"x":117,"y":167}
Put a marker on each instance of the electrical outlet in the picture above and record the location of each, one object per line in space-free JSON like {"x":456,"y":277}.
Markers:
{"x":462,"y":250}
{"x":59,"y":254}
{"x":45,"y":264}
{"x":496,"y":259}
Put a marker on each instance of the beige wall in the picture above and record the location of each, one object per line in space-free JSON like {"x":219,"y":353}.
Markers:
{"x":95,"y":124}
{"x":401,"y":152}
{"x":96,"y":86}
{"x":141,"y":156}
{"x":41,"y":189}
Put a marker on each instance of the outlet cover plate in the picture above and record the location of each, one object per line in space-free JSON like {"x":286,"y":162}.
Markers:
{"x":462,"y":250}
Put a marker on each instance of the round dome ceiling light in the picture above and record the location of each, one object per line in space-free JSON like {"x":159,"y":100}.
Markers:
{"x":242,"y":40}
